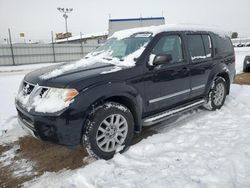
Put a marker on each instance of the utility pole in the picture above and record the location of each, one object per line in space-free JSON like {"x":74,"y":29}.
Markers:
{"x":11,"y":48}
{"x":81,"y":44}
{"x":53,"y":46}
{"x":65,"y":12}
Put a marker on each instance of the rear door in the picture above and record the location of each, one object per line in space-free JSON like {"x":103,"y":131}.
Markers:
{"x":201,"y":62}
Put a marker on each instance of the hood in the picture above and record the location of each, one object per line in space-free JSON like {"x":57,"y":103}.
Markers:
{"x":48,"y":76}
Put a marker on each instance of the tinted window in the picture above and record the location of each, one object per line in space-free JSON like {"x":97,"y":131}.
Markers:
{"x":208,"y":45}
{"x":169,"y":45}
{"x":223,"y":46}
{"x":196,"y":47}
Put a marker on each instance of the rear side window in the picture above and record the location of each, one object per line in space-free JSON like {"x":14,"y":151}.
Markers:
{"x":196,"y":47}
{"x":223,"y":46}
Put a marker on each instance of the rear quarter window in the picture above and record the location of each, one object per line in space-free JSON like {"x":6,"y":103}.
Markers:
{"x":224,"y":46}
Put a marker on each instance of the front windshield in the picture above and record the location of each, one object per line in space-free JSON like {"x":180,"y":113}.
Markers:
{"x":120,"y":48}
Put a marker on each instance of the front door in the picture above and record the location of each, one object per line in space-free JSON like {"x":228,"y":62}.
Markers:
{"x":167,"y":84}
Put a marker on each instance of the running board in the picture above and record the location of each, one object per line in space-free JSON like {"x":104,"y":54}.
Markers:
{"x":167,"y":114}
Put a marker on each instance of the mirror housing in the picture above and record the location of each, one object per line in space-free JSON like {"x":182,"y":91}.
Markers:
{"x":162,"y":59}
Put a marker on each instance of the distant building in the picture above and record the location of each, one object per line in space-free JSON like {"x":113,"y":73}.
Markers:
{"x":114,"y":25}
{"x":88,"y":39}
{"x":63,"y":35}
{"x":120,"y":24}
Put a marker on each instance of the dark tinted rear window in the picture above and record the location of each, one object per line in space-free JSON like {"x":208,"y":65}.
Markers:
{"x":196,"y":47}
{"x":223,"y":46}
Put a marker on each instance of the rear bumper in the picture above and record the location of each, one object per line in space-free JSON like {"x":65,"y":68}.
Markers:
{"x":64,"y":129}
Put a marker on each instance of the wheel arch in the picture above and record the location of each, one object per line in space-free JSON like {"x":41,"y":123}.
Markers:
{"x":116,"y":92}
{"x":219,"y":71}
{"x":129,"y":104}
{"x":123,"y":100}
{"x":225,"y":76}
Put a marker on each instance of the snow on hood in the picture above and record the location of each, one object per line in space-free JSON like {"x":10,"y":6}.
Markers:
{"x":169,"y":27}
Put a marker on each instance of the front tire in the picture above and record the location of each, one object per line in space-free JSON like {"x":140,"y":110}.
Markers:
{"x":217,"y":94}
{"x":108,"y":130}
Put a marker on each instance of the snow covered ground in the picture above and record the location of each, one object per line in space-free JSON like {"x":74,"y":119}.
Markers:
{"x":8,"y":120}
{"x":200,"y":149}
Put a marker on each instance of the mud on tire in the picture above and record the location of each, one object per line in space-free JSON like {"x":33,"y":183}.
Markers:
{"x":109,"y":129}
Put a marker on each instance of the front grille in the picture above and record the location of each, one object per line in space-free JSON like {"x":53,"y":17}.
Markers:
{"x":27,"y":88}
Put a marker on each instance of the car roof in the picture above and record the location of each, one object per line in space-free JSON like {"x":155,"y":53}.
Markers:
{"x":166,"y":28}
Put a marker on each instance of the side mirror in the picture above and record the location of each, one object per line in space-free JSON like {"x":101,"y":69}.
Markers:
{"x":162,"y":59}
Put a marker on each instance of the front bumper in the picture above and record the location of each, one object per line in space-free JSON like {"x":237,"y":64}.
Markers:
{"x":65,"y":129}
{"x":27,"y":127}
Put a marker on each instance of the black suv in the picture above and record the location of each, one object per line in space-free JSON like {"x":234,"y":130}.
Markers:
{"x":139,"y":77}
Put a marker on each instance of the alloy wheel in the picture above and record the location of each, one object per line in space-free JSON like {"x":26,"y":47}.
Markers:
{"x":112,"y":132}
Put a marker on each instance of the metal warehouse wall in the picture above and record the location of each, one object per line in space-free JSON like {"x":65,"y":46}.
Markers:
{"x":120,"y":24}
{"x":42,"y":53}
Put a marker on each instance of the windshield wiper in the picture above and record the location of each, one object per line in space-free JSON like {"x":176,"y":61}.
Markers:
{"x":106,"y":58}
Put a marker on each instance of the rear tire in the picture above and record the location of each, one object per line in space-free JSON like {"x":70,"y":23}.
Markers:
{"x":217,"y":94}
{"x":109,"y":129}
{"x":246,"y":68}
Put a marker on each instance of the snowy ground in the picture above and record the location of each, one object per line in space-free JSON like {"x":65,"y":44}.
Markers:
{"x":201,"y":149}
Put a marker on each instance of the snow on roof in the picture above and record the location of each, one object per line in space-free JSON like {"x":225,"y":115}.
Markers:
{"x":85,"y":36}
{"x":136,"y":19}
{"x":169,"y":27}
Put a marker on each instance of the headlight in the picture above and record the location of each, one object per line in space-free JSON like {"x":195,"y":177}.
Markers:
{"x":53,"y":100}
{"x":45,"y":99}
{"x":61,"y":94}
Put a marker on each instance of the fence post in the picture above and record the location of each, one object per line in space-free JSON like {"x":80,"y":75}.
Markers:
{"x":53,"y":47}
{"x":81,"y":44}
{"x":11,"y":48}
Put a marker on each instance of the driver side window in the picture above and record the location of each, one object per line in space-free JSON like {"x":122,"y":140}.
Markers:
{"x":170,"y":45}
